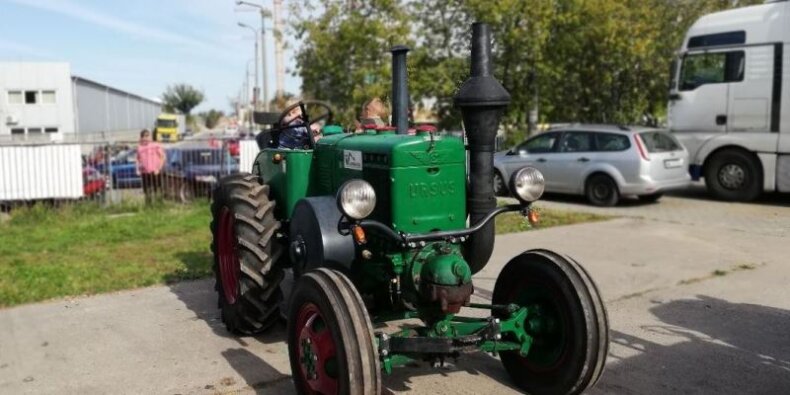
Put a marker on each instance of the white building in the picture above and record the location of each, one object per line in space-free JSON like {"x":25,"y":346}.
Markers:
{"x":42,"y":100}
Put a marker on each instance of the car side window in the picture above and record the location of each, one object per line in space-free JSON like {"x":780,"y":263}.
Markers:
{"x":576,"y":142}
{"x":610,"y":142}
{"x":540,"y":144}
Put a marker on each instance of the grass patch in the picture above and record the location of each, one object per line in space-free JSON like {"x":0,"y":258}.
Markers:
{"x":515,"y":222}
{"x":84,"y":249}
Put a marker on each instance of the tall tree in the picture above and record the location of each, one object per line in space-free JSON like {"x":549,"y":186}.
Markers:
{"x":343,"y":58}
{"x":182,"y":97}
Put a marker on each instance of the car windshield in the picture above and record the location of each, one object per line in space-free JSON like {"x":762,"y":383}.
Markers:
{"x":659,"y":142}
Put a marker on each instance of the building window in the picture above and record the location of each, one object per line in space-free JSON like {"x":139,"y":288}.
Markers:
{"x":48,"y":97}
{"x":51,"y":130}
{"x":14,"y":97}
{"x":33,"y":130}
{"x":31,"y":97}
{"x":17,"y":131}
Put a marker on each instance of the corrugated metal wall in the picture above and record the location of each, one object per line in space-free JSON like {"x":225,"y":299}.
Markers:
{"x":101,"y":109}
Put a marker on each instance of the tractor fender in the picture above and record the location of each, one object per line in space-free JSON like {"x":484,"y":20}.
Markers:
{"x":316,"y":238}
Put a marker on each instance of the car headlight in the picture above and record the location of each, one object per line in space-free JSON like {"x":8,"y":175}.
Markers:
{"x":356,"y":199}
{"x":527,"y":184}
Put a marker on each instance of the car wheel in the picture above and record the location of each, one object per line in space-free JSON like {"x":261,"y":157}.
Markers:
{"x":601,"y":190}
{"x":500,"y":188}
{"x":651,"y":198}
{"x":733,"y":175}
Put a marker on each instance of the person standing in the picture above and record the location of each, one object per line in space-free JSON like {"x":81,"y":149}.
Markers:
{"x":150,"y":161}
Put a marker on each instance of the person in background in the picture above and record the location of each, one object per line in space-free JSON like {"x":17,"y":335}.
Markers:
{"x":150,"y":161}
{"x":374,"y":113}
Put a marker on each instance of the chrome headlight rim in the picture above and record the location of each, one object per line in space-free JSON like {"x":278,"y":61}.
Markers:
{"x":527,"y":184}
{"x":356,"y":199}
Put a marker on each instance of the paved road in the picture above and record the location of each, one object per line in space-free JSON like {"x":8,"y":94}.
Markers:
{"x":694,"y":308}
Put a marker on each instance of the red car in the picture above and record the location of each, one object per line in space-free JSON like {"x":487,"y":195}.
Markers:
{"x":93,"y":182}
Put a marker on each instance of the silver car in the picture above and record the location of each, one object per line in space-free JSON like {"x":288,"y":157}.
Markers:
{"x":601,"y":162}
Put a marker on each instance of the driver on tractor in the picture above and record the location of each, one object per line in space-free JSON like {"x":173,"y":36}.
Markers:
{"x":295,"y":133}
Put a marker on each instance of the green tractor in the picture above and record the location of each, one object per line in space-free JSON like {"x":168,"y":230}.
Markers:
{"x":384,"y":226}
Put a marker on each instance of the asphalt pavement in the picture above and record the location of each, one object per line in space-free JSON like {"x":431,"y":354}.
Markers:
{"x":698,"y":303}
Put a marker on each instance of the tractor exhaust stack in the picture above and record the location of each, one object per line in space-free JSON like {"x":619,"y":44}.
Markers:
{"x":482,"y":100}
{"x":400,"y":89}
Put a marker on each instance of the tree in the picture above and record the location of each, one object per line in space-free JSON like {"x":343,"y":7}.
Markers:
{"x":182,"y":97}
{"x":211,"y":118}
{"x":343,"y":58}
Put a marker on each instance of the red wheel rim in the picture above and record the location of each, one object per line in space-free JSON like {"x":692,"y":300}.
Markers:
{"x":317,"y":351}
{"x":228,"y":259}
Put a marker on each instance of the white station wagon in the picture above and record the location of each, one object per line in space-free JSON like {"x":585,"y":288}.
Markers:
{"x":601,"y":162}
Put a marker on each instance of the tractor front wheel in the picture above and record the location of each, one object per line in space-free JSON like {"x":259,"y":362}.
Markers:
{"x":246,"y":254}
{"x":566,"y":319}
{"x":330,"y":337}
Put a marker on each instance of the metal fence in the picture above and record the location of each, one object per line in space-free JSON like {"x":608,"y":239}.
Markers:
{"x":109,"y":173}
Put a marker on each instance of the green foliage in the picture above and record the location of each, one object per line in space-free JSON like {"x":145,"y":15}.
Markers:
{"x":588,"y":60}
{"x":211,"y":118}
{"x":182,"y":97}
{"x":84,"y":249}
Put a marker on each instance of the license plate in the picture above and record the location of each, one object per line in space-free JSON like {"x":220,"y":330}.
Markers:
{"x":673,"y":163}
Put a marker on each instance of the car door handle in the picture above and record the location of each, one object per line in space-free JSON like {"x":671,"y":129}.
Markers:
{"x":583,"y":159}
{"x":541,"y":160}
{"x":721,"y":119}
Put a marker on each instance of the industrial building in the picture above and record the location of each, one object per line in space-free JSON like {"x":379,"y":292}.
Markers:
{"x":44,"y":101}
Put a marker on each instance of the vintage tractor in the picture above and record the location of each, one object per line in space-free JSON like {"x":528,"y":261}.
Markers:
{"x":383,"y":226}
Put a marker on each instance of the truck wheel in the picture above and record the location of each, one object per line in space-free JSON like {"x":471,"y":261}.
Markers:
{"x":567,"y":321}
{"x":733,"y":175}
{"x":330,"y":337}
{"x":601,"y":190}
{"x":245,"y":254}
{"x":500,"y":188}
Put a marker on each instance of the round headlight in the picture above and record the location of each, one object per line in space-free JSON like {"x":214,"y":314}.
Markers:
{"x":356,"y":199}
{"x":527,"y":184}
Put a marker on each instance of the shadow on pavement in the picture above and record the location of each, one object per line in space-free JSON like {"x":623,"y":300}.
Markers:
{"x":259,"y":376}
{"x":708,"y":345}
{"x":698,"y":192}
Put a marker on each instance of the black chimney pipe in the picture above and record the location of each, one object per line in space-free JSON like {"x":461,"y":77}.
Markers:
{"x":400,"y":89}
{"x":482,"y":100}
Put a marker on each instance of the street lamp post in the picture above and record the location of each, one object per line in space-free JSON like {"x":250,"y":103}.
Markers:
{"x":265,"y":13}
{"x":256,"y":88}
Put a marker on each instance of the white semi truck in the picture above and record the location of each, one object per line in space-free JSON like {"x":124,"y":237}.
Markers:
{"x":729,"y":100}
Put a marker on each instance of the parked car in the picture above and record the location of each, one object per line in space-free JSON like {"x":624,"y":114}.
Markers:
{"x":195,"y":171}
{"x":122,"y":170}
{"x":93,"y":182}
{"x":601,"y":162}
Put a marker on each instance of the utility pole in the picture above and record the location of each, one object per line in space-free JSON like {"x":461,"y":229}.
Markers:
{"x":265,"y":13}
{"x":279,"y":65}
{"x":255,"y":90}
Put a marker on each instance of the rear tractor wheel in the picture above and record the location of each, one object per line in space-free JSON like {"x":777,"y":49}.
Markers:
{"x":246,"y":254}
{"x":566,"y":320}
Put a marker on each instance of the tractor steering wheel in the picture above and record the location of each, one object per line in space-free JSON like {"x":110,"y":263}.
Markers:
{"x":327,"y":115}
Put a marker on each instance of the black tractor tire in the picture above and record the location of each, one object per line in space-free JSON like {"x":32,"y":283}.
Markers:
{"x":246,"y":254}
{"x":734,"y":175}
{"x":601,"y":190}
{"x":331,"y":344}
{"x":500,"y":185}
{"x":651,"y":198}
{"x":570,"y":358}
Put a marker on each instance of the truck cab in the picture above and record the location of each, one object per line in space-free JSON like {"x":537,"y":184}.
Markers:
{"x":169,"y":127}
{"x":729,"y":103}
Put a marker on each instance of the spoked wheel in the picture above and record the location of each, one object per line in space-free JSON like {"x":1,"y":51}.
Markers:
{"x":246,"y":254}
{"x":330,"y":337}
{"x":566,"y":319}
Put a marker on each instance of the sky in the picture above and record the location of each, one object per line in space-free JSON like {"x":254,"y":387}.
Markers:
{"x":142,"y":46}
